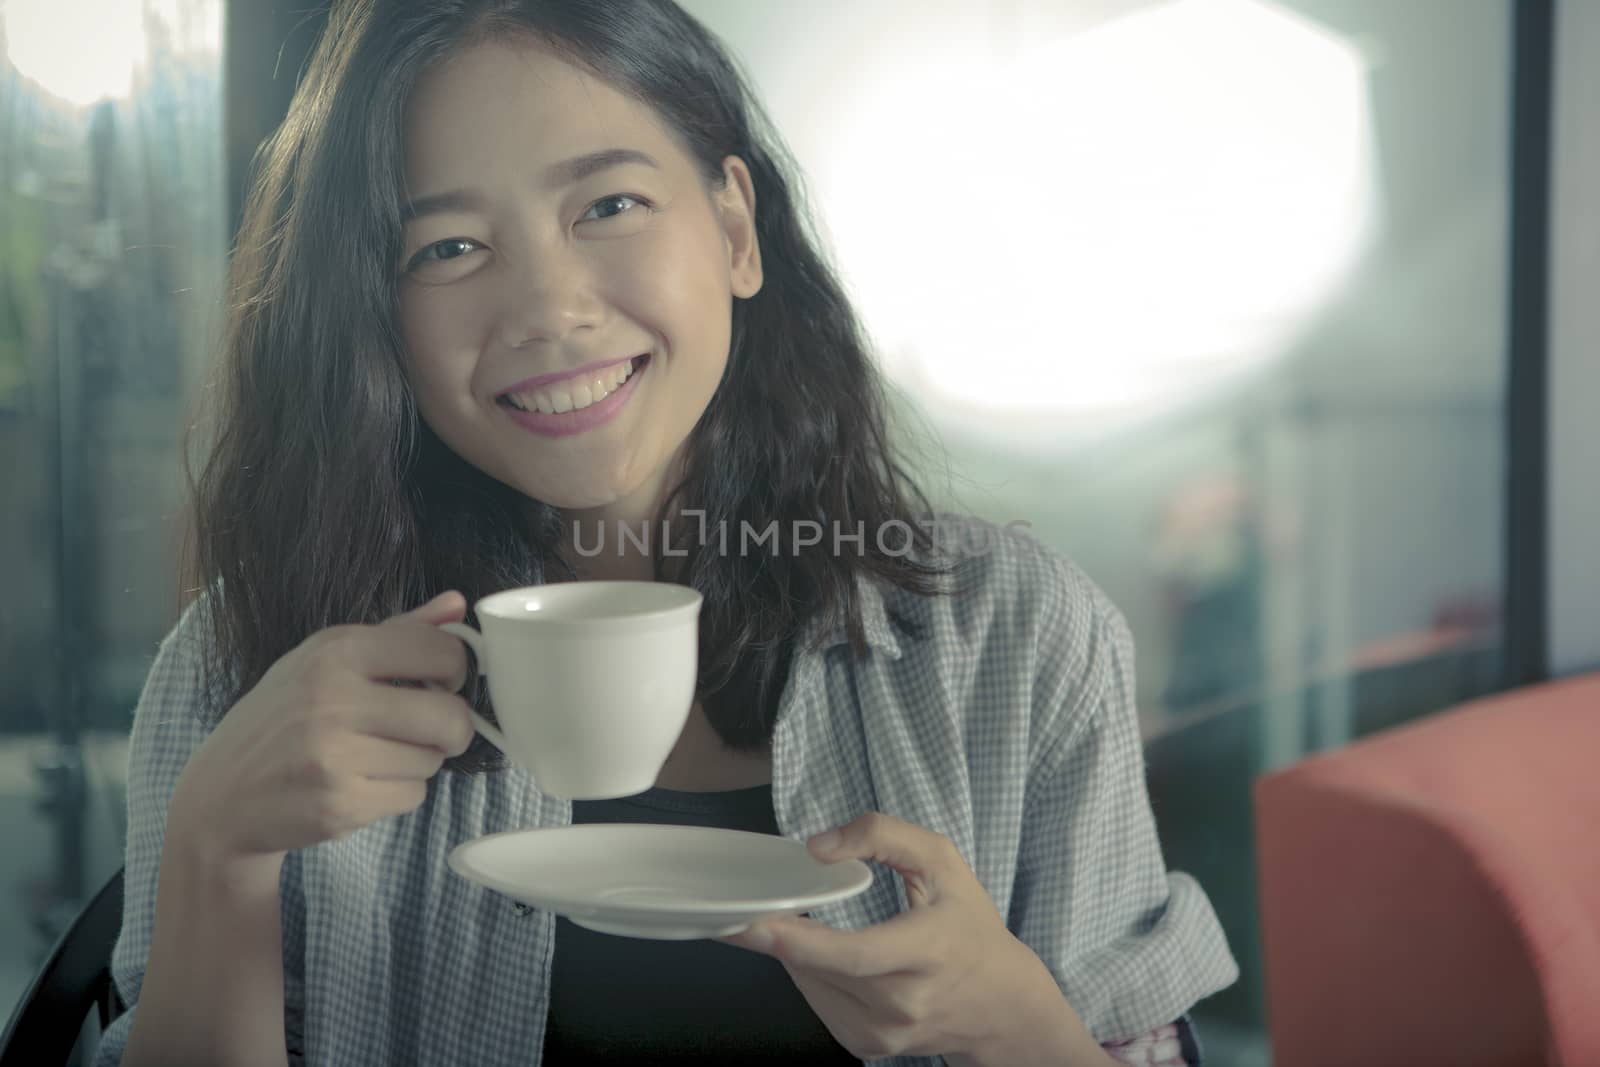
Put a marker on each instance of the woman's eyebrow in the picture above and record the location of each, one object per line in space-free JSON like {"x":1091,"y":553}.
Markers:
{"x":580,"y":167}
{"x":567,"y":172}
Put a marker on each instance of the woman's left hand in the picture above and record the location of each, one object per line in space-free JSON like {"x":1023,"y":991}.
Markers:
{"x":943,"y":978}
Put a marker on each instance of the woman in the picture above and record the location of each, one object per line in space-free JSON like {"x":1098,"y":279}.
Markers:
{"x":516,"y":276}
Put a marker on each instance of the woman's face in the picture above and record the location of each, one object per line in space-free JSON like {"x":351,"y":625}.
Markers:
{"x":557,"y":238}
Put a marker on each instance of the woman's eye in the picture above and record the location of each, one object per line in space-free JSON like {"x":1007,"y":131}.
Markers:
{"x":442,"y":251}
{"x":609,"y":207}
{"x":620,"y":202}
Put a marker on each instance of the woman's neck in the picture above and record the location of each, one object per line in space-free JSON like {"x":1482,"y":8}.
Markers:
{"x":608,"y":546}
{"x":610,"y":566}
{"x":619,"y":541}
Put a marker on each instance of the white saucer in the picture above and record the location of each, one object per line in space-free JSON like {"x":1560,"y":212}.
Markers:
{"x":659,"y":881}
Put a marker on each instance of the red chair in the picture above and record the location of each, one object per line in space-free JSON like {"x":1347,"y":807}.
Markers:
{"x":1431,"y":894}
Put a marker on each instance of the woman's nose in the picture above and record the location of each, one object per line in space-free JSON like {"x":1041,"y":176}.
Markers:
{"x":549,"y":304}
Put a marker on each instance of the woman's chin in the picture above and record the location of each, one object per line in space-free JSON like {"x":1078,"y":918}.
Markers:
{"x":582,"y":502}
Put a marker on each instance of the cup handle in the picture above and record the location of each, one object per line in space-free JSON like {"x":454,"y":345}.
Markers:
{"x":474,"y":641}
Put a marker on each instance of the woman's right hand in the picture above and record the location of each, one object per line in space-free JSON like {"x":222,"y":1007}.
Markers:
{"x":325,"y":743}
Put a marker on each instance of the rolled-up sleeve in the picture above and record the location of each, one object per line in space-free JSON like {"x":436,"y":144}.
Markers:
{"x":167,"y":729}
{"x":1131,"y":945}
{"x":169,"y":725}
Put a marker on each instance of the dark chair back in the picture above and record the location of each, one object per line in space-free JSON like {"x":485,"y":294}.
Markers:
{"x":76,"y":976}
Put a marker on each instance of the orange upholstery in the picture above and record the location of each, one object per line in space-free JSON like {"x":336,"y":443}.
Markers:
{"x":1431,"y":894}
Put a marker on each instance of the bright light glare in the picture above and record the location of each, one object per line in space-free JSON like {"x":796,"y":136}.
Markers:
{"x":84,"y":51}
{"x":1126,"y":216}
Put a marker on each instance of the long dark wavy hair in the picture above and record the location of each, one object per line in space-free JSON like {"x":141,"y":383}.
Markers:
{"x":324,"y":497}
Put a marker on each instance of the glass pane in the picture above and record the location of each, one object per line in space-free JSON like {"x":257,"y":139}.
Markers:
{"x":112,"y":212}
{"x":1209,"y":293}
{"x":1212,"y":295}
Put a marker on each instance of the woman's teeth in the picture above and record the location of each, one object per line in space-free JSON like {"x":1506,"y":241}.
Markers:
{"x":568,"y":396}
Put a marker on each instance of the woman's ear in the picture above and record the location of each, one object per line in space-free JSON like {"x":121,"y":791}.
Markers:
{"x":736,"y":206}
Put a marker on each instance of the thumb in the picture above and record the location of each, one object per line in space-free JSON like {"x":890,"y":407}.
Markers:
{"x":449,"y":606}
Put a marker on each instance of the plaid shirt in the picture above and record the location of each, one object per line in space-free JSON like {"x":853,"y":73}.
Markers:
{"x":1009,"y":726}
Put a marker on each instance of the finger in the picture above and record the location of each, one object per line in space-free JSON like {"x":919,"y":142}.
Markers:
{"x":448,"y":606}
{"x":377,"y":798}
{"x":410,"y":650}
{"x":843,"y":1011}
{"x":924,"y":860}
{"x":416,"y":717}
{"x":898,"y":945}
{"x":384,"y":760}
{"x":831,"y":997}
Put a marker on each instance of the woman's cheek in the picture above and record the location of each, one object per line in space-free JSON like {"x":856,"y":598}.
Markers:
{"x":432,"y":330}
{"x":413,"y":326}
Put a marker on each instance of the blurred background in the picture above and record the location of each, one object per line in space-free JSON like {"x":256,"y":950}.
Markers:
{"x":1274,"y":316}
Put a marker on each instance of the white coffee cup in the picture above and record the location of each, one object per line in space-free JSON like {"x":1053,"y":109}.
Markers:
{"x":592,"y":682}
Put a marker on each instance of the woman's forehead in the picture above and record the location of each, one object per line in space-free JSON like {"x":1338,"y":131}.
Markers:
{"x":502,"y":102}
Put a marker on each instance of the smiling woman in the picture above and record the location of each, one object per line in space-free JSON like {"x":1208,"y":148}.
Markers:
{"x":550,"y":283}
{"x":515,"y":269}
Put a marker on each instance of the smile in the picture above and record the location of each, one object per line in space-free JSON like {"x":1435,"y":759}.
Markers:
{"x":574,"y":394}
{"x":576,"y":404}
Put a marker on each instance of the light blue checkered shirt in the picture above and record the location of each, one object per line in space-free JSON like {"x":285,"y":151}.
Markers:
{"x":1010,"y":727}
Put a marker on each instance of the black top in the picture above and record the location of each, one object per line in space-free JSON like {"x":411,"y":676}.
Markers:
{"x":632,"y":1000}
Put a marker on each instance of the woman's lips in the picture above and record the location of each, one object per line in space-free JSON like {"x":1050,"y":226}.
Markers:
{"x":584,"y":373}
{"x":567,"y":423}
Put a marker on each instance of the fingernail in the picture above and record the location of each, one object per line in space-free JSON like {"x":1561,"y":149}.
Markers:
{"x":827,"y":842}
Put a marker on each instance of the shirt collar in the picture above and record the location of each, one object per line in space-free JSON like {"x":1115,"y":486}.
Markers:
{"x":875,"y":622}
